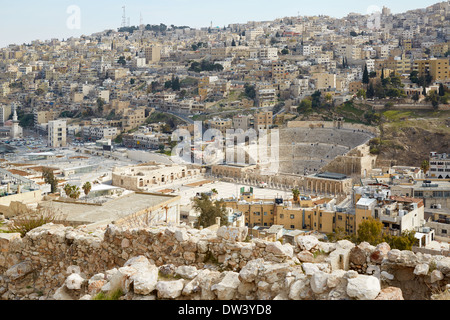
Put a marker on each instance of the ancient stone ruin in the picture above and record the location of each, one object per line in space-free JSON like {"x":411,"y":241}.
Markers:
{"x":54,"y":262}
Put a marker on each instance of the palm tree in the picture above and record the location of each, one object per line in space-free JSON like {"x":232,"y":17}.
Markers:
{"x":295,"y":194}
{"x":425,"y":166}
{"x":68,"y":189}
{"x":87,"y":187}
{"x":75,"y":192}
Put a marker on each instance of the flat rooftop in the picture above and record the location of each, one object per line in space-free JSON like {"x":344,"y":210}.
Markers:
{"x":331,"y":175}
{"x":109,"y":211}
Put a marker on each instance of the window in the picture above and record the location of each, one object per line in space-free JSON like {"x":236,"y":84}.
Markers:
{"x":340,"y":218}
{"x":444,"y":231}
{"x":292,"y":216}
{"x":418,"y":194}
{"x":292,"y":226}
{"x":281,"y":216}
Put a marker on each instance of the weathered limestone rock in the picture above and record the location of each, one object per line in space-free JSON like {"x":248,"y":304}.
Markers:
{"x":326,"y":247}
{"x":384,"y":275}
{"x":226,"y":289}
{"x":144,"y":278}
{"x":305,"y":256}
{"x":187,"y":272}
{"x":443,"y":265}
{"x":74,"y":281}
{"x":421,"y":269}
{"x":357,"y":256}
{"x":279,"y":249}
{"x":436,"y":276}
{"x":319,"y":282}
{"x":170,"y":289}
{"x":232,"y":233}
{"x":363,"y":287}
{"x":96,"y":283}
{"x":206,"y":280}
{"x":300,"y":289}
{"x":250,"y":271}
{"x":394,"y":255}
{"x":307,"y":242}
{"x":181,"y":235}
{"x":380,"y":252}
{"x":62,"y":294}
{"x":390,"y":293}
{"x":119,"y":280}
{"x":19,"y":270}
{"x":273,"y":272}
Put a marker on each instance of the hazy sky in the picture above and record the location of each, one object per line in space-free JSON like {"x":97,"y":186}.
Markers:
{"x":22,"y":21}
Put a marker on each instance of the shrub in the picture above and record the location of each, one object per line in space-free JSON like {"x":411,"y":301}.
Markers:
{"x":32,"y":219}
{"x":112,"y":295}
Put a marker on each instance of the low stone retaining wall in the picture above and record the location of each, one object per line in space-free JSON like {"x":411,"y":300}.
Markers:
{"x":57,"y":262}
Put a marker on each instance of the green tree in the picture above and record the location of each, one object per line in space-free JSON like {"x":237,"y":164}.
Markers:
{"x":403,"y":242}
{"x":316,"y":101}
{"x":87,"y":187}
{"x":425,"y":166}
{"x":72,"y":191}
{"x":414,"y":76}
{"x":361,"y":93}
{"x":305,"y":106}
{"x":209,"y":211}
{"x":49,"y":177}
{"x":122,"y":60}
{"x":371,"y":231}
{"x":365,"y":77}
{"x":441,"y":90}
{"x":295,"y":194}
{"x":250,"y":91}
{"x":370,"y":91}
{"x":433,"y":97}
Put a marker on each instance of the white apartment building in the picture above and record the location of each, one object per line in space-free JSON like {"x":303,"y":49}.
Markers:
{"x":370,"y":65}
{"x":439,"y":166}
{"x":310,"y":49}
{"x":99,"y":132}
{"x":5,"y":112}
{"x":251,"y":35}
{"x":268,"y":53}
{"x":57,"y":133}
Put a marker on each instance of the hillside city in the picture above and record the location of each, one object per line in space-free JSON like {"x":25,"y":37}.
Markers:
{"x":303,"y":132}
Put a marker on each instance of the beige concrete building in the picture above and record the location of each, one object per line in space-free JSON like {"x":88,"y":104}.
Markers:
{"x":138,"y":178}
{"x":43,"y":116}
{"x":57,"y":133}
{"x":324,"y":80}
{"x":263,"y":120}
{"x":437,"y":68}
{"x":153,"y":54}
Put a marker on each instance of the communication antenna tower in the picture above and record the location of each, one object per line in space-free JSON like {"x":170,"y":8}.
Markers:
{"x":124,"y":18}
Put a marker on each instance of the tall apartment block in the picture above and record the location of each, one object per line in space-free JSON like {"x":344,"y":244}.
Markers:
{"x":57,"y":133}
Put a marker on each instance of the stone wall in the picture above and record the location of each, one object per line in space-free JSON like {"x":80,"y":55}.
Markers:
{"x":57,"y":262}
